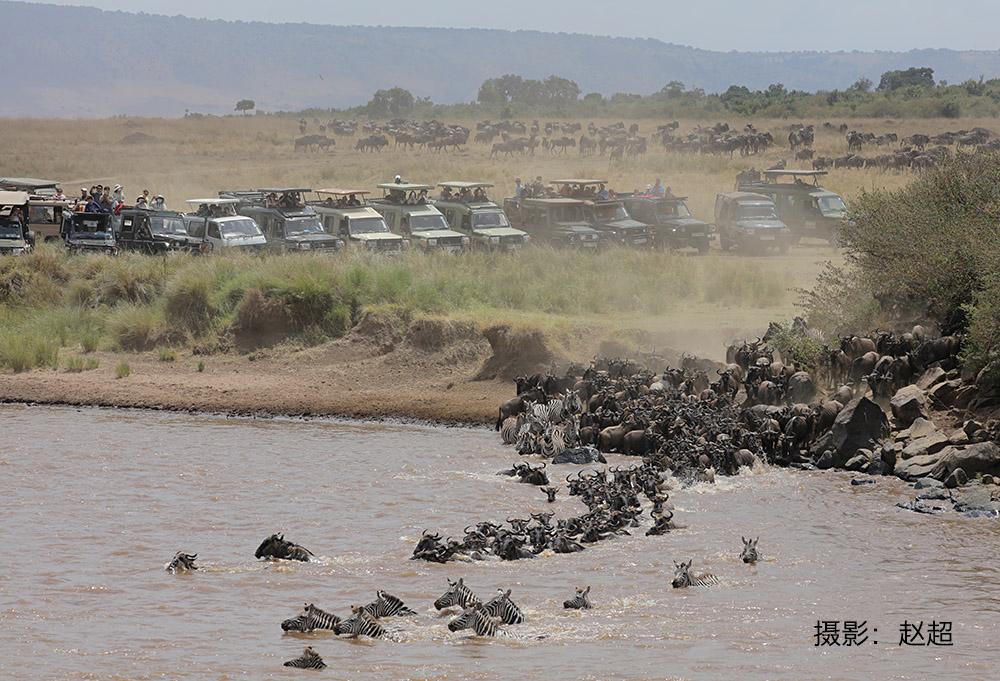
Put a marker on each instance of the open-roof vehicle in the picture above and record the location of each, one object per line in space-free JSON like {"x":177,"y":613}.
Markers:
{"x":558,"y":222}
{"x":808,"y":209}
{"x":344,"y":213}
{"x":405,"y":210}
{"x":288,"y":223}
{"x":606,"y":213}
{"x":15,"y":238}
{"x":89,"y":232}
{"x":484,"y":221}
{"x":44,"y":211}
{"x":670,"y":221}
{"x":223,"y":229}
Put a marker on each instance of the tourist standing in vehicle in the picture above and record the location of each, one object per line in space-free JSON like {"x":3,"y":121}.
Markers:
{"x":158,"y":203}
{"x":118,"y":195}
{"x":518,"y":188}
{"x":59,"y":195}
{"x":658,"y":188}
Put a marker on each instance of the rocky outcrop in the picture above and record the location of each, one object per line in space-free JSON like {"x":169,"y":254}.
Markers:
{"x":908,"y":404}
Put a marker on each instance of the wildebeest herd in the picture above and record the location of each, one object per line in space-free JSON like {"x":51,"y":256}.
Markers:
{"x":618,"y":141}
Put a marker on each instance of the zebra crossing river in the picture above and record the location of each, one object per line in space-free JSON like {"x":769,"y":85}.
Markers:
{"x":94,"y":503}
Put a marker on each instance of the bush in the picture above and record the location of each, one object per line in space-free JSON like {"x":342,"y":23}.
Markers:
{"x":122,"y":369}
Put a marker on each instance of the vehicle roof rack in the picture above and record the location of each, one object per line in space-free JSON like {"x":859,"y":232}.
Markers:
{"x":215,"y":200}
{"x":342,"y":192}
{"x":404,"y":186}
{"x":578,"y":181}
{"x":453,"y":184}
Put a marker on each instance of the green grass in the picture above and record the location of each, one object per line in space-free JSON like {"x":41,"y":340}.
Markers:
{"x":209,"y":303}
{"x":122,"y":369}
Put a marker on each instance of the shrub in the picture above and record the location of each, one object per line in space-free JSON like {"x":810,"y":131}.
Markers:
{"x":122,"y":369}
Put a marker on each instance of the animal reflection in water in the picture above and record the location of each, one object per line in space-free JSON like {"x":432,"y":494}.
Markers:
{"x":276,"y":546}
{"x":683,"y":577}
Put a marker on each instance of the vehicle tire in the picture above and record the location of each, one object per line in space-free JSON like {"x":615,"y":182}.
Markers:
{"x":724,"y":243}
{"x":703,"y":248}
{"x":796,"y":238}
{"x":783,"y":248}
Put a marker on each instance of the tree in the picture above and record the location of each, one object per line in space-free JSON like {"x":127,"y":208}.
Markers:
{"x":673,"y":89}
{"x":393,"y":103}
{"x":919,"y":76}
{"x":861,"y":85}
{"x":245,"y":105}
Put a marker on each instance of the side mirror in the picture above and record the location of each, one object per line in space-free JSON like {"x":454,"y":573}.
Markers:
{"x":30,"y":238}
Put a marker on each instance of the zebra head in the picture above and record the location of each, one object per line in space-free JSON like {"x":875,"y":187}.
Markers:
{"x":477,"y":619}
{"x":182,"y":562}
{"x":750,"y":554}
{"x":580,"y":601}
{"x":682,"y":575}
{"x":457,"y":594}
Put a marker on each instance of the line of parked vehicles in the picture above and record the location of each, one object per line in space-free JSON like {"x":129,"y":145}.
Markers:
{"x":763,"y":213}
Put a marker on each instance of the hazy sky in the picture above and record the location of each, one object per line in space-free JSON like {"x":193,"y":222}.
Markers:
{"x":744,"y":25}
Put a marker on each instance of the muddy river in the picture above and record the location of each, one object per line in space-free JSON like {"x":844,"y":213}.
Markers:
{"x":95,"y":502}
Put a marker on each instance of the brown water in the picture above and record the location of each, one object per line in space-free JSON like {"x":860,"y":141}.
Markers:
{"x":94,"y":502}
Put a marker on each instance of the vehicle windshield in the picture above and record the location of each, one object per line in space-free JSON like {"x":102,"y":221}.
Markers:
{"x":303,"y":226}
{"x":831,"y":204}
{"x":167,"y":225}
{"x":573,"y":213}
{"x":239,"y":228}
{"x":10,"y":229}
{"x":759,"y":210}
{"x":487,"y":220}
{"x":422,"y":223}
{"x":672,"y":210}
{"x":94,"y":226}
{"x":611,"y":212}
{"x":368,"y":226}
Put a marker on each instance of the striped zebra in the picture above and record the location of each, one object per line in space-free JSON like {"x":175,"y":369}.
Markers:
{"x":579,"y":602}
{"x":556,"y":410}
{"x":360,"y":624}
{"x":457,"y":594}
{"x":387,"y":605}
{"x":552,"y":442}
{"x":527,"y":443}
{"x":683,"y":577}
{"x":310,"y":619}
{"x":572,"y":404}
{"x":540,"y":412}
{"x":182,"y":562}
{"x":309,"y":659}
{"x":504,"y":609}
{"x":750,"y":554}
{"x":510,"y":429}
{"x":477,"y":619}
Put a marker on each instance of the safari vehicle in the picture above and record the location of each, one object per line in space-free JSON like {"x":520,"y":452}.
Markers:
{"x":484,"y":221}
{"x":807,"y":208}
{"x":558,"y":222}
{"x":670,"y":221}
{"x":153,"y":231}
{"x":15,"y":239}
{"x":606,"y":213}
{"x":749,"y":222}
{"x":44,"y":211}
{"x":89,"y":233}
{"x":223,"y":230}
{"x":421,"y":221}
{"x":287,"y":222}
{"x":356,"y":222}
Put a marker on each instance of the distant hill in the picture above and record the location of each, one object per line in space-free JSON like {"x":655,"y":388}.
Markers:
{"x":77,"y":61}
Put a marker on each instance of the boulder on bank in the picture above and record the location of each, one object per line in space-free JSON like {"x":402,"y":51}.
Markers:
{"x":983,"y":457}
{"x":919,"y":466}
{"x":908,"y":404}
{"x":929,"y":444}
{"x":579,"y":455}
{"x":859,"y":425}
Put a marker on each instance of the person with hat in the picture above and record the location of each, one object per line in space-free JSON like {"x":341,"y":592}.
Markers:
{"x":158,"y":203}
{"x":399,"y":179}
{"x":141,"y":202}
{"x":118,"y":195}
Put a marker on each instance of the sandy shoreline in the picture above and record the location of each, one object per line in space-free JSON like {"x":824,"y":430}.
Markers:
{"x":338,"y":379}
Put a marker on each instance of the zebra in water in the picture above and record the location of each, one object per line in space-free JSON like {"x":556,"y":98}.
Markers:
{"x":572,"y":404}
{"x":504,"y":609}
{"x":511,"y":428}
{"x":387,"y":605}
{"x":683,"y":577}
{"x":552,"y":442}
{"x":457,"y":594}
{"x":361,"y":623}
{"x":309,"y":659}
{"x":477,"y":619}
{"x":310,"y":619}
{"x":579,"y":602}
{"x":750,"y":554}
{"x":182,"y":562}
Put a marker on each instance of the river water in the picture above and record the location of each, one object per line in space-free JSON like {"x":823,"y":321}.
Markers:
{"x":95,"y":502}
